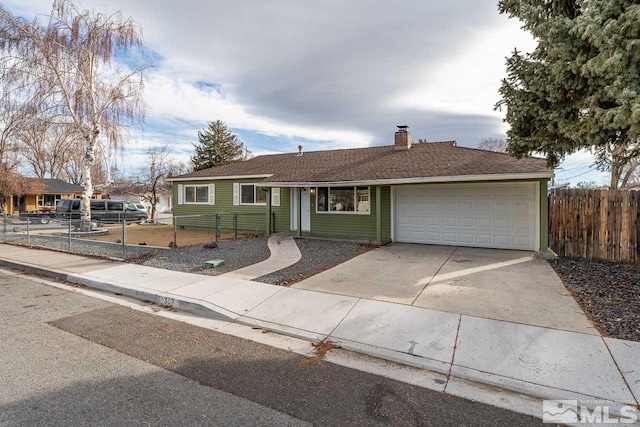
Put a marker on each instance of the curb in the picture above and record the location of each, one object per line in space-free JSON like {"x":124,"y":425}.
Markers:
{"x":214,"y":312}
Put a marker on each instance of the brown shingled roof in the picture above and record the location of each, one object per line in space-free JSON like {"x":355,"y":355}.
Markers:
{"x":426,"y":160}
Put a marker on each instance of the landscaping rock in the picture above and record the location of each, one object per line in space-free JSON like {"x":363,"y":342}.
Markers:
{"x":317,"y":256}
{"x":608,"y":292}
{"x":210,"y":245}
{"x":236,"y":254}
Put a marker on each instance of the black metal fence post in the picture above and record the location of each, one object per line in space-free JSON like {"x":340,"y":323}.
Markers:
{"x":217,"y":226}
{"x":235,"y":226}
{"x":124,"y":240}
{"x":273,"y":222}
{"x":175,"y":233}
{"x":69,"y":236}
{"x":28,"y":236}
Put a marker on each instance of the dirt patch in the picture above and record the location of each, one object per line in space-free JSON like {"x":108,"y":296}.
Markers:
{"x":160,"y":235}
{"x":608,"y":292}
{"x":322,"y":348}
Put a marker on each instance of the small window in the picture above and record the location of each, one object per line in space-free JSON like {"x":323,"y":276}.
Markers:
{"x":97,"y":206}
{"x":251,"y":194}
{"x":343,"y":200}
{"x":196,"y":194}
{"x":115,"y":206}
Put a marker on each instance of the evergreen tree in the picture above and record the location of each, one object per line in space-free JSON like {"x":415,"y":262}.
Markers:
{"x":216,"y":146}
{"x":579,"y":88}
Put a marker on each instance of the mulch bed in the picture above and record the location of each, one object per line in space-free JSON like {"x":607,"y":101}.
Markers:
{"x":608,"y":292}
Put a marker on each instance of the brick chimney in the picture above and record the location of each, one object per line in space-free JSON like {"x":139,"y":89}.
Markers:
{"x":403,"y":138}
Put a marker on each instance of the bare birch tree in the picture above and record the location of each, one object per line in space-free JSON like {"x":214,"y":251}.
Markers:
{"x":148,"y":182}
{"x":70,"y":62}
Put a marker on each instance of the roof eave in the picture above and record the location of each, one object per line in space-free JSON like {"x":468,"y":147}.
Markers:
{"x":212,"y":178}
{"x":418,"y":180}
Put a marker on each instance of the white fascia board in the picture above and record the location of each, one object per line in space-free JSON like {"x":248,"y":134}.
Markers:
{"x":217,"y":178}
{"x":417,"y":180}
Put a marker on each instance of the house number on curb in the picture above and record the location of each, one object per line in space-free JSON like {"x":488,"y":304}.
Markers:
{"x":166,"y":301}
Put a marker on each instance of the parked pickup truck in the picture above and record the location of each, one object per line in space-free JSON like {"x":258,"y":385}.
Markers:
{"x":37,"y":217}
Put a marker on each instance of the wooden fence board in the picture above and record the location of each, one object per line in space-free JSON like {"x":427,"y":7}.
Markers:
{"x":604,"y":203}
{"x":595,"y":224}
{"x":624,"y":227}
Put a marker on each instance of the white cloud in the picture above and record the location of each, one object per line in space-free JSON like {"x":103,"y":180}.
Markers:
{"x":170,"y":96}
{"x":468,"y":82}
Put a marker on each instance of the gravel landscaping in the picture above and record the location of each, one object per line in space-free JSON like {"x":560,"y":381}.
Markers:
{"x":81,"y":246}
{"x":235,"y":253}
{"x":608,"y":292}
{"x":317,"y":256}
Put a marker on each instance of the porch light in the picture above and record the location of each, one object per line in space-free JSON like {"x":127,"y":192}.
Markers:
{"x":313,"y":191}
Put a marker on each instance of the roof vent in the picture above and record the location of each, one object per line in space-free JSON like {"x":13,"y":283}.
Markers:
{"x":299,"y":150}
{"x":403,"y":138}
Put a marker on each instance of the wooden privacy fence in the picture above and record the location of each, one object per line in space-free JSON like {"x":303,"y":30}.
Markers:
{"x":595,"y":224}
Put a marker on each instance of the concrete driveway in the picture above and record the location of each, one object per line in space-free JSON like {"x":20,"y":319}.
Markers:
{"x":490,"y":283}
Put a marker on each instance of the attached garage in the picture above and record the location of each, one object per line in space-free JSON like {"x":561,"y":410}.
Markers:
{"x":501,"y":215}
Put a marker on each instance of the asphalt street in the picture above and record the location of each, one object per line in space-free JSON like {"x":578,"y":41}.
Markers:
{"x":68,"y":359}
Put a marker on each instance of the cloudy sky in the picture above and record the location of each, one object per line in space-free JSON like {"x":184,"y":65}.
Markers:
{"x":329,"y":74}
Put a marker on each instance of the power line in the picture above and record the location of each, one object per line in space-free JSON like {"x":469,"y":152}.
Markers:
{"x":580,"y":174}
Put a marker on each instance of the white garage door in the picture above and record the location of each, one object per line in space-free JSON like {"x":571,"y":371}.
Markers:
{"x":497,"y":215}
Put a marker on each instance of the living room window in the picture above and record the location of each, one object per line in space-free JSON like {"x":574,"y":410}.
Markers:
{"x":48,"y":200}
{"x":196,"y":194}
{"x":251,"y":194}
{"x":347,"y":200}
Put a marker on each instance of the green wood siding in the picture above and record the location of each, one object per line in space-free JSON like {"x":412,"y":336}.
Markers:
{"x":386,"y":213}
{"x":544,"y":216}
{"x":353,"y":226}
{"x":251,"y":218}
{"x":283,"y":212}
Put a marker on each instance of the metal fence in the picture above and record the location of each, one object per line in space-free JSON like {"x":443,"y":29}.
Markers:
{"x":126,"y":240}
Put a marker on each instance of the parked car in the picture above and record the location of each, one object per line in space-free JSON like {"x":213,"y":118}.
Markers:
{"x":102,"y":211}
{"x":142,"y":208}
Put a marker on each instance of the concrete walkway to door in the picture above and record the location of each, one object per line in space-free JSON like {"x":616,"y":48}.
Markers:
{"x":490,"y":283}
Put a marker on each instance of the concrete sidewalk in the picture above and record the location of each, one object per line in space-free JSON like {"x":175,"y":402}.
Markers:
{"x":284,"y":252}
{"x":535,"y":361}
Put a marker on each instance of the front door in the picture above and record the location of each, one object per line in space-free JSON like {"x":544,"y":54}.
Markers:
{"x":305,"y":206}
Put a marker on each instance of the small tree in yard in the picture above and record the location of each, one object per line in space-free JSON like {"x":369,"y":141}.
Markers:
{"x":150,"y":182}
{"x":14,"y":184}
{"x":68,"y":65}
{"x":216,"y":146}
{"x":579,"y":89}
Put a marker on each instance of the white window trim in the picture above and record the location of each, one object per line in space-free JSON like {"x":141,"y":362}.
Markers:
{"x":184,"y":188}
{"x":355,"y":197}
{"x":254,"y":196}
{"x":56,"y":198}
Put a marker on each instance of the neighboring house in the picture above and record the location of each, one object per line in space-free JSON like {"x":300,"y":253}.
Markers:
{"x":434,"y":193}
{"x":137,"y":195}
{"x":54,"y":190}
